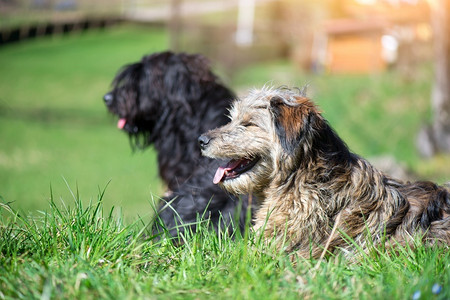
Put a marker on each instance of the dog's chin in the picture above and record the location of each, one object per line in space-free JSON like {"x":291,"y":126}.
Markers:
{"x":237,"y":185}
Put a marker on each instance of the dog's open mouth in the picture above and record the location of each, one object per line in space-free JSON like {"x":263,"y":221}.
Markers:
{"x":234,"y":168}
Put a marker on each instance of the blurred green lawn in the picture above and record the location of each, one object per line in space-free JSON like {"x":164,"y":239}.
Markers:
{"x":55,"y":128}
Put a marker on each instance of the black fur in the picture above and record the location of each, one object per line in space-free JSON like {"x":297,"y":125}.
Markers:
{"x":168,"y":100}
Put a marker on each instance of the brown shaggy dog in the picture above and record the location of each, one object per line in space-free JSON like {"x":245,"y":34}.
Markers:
{"x":312,"y":188}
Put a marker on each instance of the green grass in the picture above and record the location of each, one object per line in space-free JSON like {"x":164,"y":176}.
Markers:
{"x":83,"y":252}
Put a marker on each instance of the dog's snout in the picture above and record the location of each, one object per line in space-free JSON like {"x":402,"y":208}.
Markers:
{"x":108,"y":98}
{"x":203,"y":141}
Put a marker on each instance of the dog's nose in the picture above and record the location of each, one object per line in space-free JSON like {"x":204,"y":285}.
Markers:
{"x":203,"y":141}
{"x":108,"y":98}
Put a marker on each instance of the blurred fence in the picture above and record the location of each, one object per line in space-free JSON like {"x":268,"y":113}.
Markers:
{"x":27,"y":19}
{"x":24,"y":19}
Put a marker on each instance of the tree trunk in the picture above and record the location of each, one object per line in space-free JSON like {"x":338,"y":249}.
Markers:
{"x":436,"y":137}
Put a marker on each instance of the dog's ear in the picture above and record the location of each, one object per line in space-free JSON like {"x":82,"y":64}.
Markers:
{"x":292,"y":119}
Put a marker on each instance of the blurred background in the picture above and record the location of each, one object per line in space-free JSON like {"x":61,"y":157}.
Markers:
{"x":379,"y":70}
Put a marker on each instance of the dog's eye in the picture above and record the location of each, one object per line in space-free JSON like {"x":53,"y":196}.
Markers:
{"x":248,"y":124}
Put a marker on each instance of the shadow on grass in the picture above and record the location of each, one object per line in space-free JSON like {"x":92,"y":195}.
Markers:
{"x":53,"y":115}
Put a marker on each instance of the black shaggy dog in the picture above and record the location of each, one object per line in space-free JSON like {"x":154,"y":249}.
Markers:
{"x":168,"y":100}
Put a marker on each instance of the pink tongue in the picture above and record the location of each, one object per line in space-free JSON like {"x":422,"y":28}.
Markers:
{"x":219,"y":175}
{"x":221,"y":171}
{"x":121,"y":123}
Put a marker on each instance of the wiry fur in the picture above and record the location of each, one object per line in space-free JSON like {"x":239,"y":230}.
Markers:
{"x":168,"y":100}
{"x":306,"y":179}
